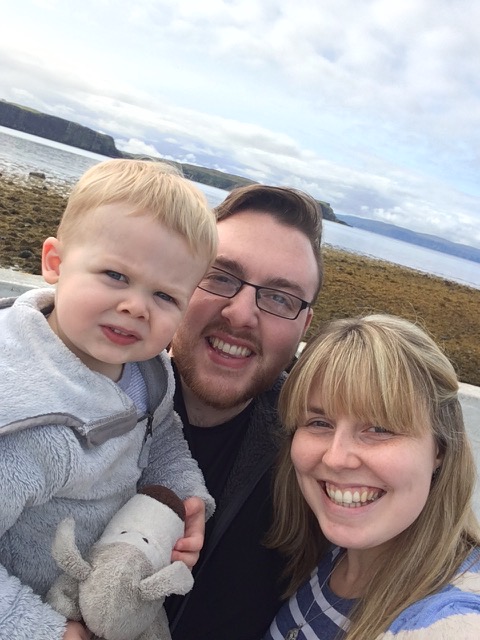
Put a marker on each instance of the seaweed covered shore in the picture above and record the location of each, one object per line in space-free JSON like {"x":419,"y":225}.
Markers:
{"x":30,"y":210}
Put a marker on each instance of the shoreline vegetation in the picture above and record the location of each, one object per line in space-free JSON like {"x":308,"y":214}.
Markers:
{"x":30,"y":209}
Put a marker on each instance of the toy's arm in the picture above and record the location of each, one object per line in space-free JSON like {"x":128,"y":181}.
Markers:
{"x":66,"y":554}
{"x":63,"y":594}
{"x":175,"y":578}
{"x":63,"y":597}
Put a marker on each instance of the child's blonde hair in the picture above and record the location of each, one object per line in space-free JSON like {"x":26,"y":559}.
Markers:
{"x":156,"y":188}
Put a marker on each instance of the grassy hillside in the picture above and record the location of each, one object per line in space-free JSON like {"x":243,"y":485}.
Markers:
{"x":30,"y":211}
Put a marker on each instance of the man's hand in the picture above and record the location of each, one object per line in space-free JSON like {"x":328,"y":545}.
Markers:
{"x":76,"y":631}
{"x":188,"y":548}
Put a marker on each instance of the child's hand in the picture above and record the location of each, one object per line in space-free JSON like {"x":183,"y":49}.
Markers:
{"x":76,"y":631}
{"x":188,"y":548}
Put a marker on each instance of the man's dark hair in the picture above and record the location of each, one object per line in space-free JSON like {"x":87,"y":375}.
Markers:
{"x":290,"y":207}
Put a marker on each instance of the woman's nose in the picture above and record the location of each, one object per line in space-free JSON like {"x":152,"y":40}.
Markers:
{"x":342,"y":451}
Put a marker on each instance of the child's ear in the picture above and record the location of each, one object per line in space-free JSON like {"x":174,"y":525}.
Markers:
{"x":51,"y":260}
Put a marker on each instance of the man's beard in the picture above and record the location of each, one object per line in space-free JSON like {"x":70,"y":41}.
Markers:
{"x":225,"y":395}
{"x":222,"y":396}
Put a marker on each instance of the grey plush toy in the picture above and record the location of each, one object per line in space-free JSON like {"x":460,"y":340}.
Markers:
{"x":119,"y":589}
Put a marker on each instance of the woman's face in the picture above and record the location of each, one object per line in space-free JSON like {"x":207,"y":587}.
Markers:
{"x":364,"y":484}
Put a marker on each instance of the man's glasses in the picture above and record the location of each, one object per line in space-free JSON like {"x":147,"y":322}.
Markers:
{"x":273,"y":301}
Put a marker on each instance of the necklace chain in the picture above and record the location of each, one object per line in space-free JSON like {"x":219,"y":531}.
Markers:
{"x":292,"y":634}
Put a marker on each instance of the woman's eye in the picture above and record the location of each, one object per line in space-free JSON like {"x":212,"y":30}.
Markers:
{"x":116,"y":276}
{"x":378,"y":429}
{"x":321,"y":424}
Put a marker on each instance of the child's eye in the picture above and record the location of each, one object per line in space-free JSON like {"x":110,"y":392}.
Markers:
{"x":164,"y":296}
{"x":116,"y":276}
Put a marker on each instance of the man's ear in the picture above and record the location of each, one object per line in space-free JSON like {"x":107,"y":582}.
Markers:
{"x":51,"y":260}
{"x":308,"y":320}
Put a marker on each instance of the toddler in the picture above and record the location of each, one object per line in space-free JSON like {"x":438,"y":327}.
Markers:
{"x":86,"y":398}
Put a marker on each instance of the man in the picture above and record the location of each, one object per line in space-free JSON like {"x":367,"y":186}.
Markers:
{"x":241,"y":331}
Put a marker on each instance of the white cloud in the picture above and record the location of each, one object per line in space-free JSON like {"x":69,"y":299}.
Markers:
{"x":133,"y":145}
{"x":373,"y":106}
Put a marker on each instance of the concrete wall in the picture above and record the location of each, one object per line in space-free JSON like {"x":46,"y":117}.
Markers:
{"x":13,"y":283}
{"x":470,"y":401}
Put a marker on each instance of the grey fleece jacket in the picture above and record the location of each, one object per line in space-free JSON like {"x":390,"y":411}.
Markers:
{"x":71,"y":444}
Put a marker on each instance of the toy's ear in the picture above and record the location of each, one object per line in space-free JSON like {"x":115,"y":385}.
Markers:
{"x":166,"y":496}
{"x":51,"y":260}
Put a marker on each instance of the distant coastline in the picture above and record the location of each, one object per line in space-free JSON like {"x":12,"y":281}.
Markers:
{"x":20,"y":118}
{"x":412,"y":237}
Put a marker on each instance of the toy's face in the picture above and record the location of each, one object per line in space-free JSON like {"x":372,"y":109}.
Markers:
{"x":149,"y":526}
{"x":142,"y":540}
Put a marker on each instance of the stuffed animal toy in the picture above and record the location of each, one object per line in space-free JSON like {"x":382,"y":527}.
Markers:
{"x":119,"y":589}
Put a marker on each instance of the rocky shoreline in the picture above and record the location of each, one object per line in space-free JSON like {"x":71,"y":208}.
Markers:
{"x":30,"y":209}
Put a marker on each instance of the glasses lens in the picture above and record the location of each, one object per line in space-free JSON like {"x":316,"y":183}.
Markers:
{"x":279,"y":303}
{"x":220,"y":283}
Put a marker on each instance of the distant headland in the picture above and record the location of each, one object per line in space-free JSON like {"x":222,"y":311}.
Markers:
{"x":40,"y":124}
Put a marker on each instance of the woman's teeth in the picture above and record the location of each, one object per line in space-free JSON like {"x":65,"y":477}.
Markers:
{"x":352,"y":498}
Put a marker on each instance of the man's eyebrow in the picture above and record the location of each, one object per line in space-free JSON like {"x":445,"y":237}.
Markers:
{"x":234,"y":267}
{"x":283,"y":284}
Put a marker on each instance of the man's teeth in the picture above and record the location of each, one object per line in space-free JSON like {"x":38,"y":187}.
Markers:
{"x":229,"y":349}
{"x":352,"y":497}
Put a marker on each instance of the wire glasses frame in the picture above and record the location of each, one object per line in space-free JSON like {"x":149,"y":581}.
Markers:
{"x":273,"y":301}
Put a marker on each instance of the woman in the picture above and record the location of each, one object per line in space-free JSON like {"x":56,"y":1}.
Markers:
{"x":376,"y":463}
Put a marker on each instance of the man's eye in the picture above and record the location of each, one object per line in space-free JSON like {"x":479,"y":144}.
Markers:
{"x":116,"y":276}
{"x":218,"y":278}
{"x":277,"y":298}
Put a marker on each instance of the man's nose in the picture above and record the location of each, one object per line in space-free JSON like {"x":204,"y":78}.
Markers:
{"x":242,"y":310}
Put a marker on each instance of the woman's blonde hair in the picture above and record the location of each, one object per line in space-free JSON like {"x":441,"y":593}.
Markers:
{"x":386,"y":371}
{"x":148,"y":186}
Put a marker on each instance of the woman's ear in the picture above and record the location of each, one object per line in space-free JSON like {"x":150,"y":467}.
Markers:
{"x":438,"y":459}
{"x":51,"y":260}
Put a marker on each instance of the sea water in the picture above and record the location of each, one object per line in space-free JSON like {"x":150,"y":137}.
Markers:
{"x":21,"y":153}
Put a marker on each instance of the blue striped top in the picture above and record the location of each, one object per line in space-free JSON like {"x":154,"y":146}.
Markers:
{"x":452,"y":613}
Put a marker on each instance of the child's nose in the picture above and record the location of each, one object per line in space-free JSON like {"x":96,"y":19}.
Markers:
{"x":135,"y":305}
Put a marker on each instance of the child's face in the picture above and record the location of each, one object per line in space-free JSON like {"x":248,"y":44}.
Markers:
{"x":122,"y":289}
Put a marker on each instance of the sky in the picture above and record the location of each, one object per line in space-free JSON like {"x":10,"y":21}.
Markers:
{"x":370,"y":105}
